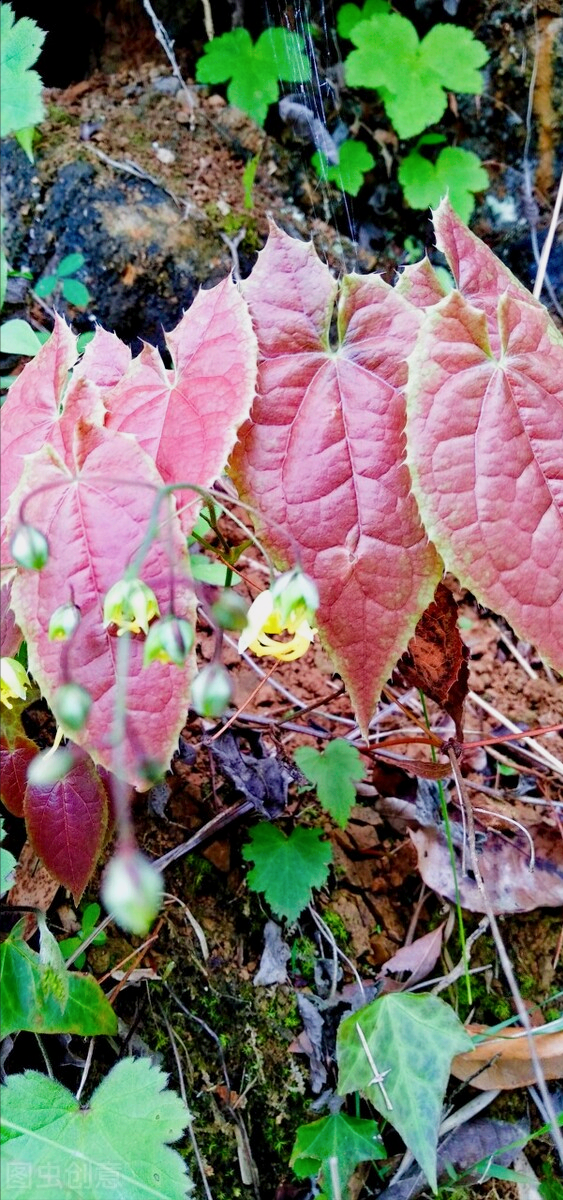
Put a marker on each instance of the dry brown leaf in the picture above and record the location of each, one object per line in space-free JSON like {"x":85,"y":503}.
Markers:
{"x":34,"y":887}
{"x":419,"y":958}
{"x":436,"y":658}
{"x":505,"y":866}
{"x":511,"y":1065}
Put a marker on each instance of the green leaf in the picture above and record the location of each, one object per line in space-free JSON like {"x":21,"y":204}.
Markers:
{"x":7,"y":864}
{"x":116,"y":1146}
{"x":456,"y":171}
{"x":351,"y":1140}
{"x":286,"y":868}
{"x":25,"y":138}
{"x":411,"y":1041}
{"x":350,"y":15}
{"x":348,"y":174}
{"x":411,"y":75}
{"x":75,"y":292}
{"x":254,"y":70}
{"x":70,"y":264}
{"x":3,"y":275}
{"x":17,"y":337}
{"x":333,"y":771}
{"x":20,"y":89}
{"x":31,"y":995}
{"x":206,"y":571}
{"x":45,"y":286}
{"x":455,"y":56}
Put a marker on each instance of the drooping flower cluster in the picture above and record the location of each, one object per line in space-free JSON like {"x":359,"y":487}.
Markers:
{"x":288,"y":607}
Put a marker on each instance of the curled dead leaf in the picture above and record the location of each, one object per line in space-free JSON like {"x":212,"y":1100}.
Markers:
{"x":506,"y":1060}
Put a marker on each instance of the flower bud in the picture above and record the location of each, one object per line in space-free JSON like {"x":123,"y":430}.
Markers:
{"x":211,"y":691}
{"x":49,"y":767}
{"x":71,"y":705}
{"x":230,"y":610}
{"x":29,"y":548}
{"x":168,"y":640}
{"x":132,"y":891}
{"x":295,"y":597}
{"x":63,"y":622}
{"x":13,"y":681}
{"x":131,"y":605}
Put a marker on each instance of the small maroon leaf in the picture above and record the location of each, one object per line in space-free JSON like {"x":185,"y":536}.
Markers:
{"x":95,"y":519}
{"x":323,"y":456}
{"x":42,"y":407}
{"x":14,"y":761}
{"x":10,"y":635}
{"x":485,"y":452}
{"x":187,"y":418}
{"x":66,"y":823}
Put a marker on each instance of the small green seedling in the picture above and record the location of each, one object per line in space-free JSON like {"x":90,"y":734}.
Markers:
{"x":456,"y":171}
{"x":254,"y":69}
{"x":348,"y":174}
{"x":63,"y":279}
{"x":90,"y":918}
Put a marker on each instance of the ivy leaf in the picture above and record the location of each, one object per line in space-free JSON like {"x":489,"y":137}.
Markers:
{"x":286,"y":868}
{"x":20,"y":96}
{"x":411,"y":1040}
{"x":485,"y":414}
{"x":333,"y":771}
{"x":186,"y":419}
{"x":66,"y":823}
{"x":117,"y":1145}
{"x":254,"y":70}
{"x":32,"y":995}
{"x":350,"y":15}
{"x":350,"y":1140}
{"x":456,"y":171}
{"x":409,"y":74}
{"x":348,"y":174}
{"x":322,"y":459}
{"x":7,"y":864}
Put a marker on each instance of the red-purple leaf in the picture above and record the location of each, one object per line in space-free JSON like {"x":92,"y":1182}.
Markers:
{"x":485,"y":437}
{"x":187,"y":418}
{"x":41,"y":408}
{"x":95,"y":521}
{"x":14,"y":761}
{"x":10,"y":635}
{"x":66,"y":823}
{"x":323,"y":456}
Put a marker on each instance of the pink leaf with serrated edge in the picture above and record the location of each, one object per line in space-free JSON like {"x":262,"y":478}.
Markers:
{"x":95,"y":522}
{"x":14,"y":761}
{"x":322,"y":458}
{"x":105,"y":359}
{"x":485,"y":438}
{"x":480,"y":276}
{"x":420,"y":284}
{"x":10,"y":635}
{"x":66,"y":823}
{"x":187,"y":418}
{"x":42,"y":407}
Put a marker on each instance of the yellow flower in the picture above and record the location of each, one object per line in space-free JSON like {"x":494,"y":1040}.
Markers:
{"x":131,"y":605}
{"x":13,"y":681}
{"x":264,"y":619}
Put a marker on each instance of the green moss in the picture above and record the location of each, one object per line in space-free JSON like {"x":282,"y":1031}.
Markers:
{"x":59,"y":116}
{"x":337,"y":928}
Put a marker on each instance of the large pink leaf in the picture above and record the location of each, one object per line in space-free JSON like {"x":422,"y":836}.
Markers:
{"x":480,"y":276}
{"x":95,"y":521}
{"x":485,"y":436}
{"x":66,"y":823}
{"x":323,"y":456}
{"x":186,"y":418}
{"x":41,"y":407}
{"x":10,"y":635}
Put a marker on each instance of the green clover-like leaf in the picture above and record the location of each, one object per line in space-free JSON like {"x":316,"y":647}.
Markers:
{"x":286,"y":868}
{"x":348,"y":174}
{"x":333,"y":771}
{"x":254,"y":69}
{"x":21,"y":104}
{"x":456,"y":171}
